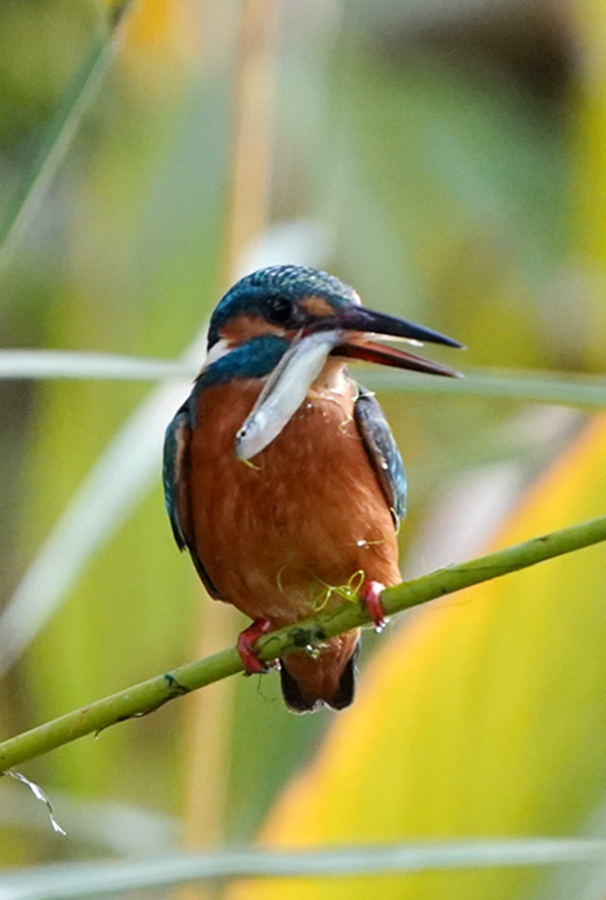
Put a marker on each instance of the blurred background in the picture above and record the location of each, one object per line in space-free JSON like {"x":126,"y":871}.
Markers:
{"x":446,"y":157}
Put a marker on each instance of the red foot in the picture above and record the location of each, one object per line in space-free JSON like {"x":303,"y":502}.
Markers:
{"x":371,"y":598}
{"x":246,"y":642}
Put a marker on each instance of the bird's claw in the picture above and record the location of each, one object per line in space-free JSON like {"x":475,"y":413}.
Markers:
{"x":371,"y":598}
{"x":246,"y":643}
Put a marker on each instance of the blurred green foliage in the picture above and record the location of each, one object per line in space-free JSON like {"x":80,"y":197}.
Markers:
{"x":443,"y":184}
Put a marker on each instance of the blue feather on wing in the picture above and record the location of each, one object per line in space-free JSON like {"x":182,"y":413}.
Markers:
{"x":175,"y":474}
{"x":382,"y":451}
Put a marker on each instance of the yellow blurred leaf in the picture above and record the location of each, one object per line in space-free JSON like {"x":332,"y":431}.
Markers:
{"x":161,"y":33}
{"x":484,"y":716}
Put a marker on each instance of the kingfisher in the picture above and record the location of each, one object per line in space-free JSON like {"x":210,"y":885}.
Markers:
{"x":282,"y":477}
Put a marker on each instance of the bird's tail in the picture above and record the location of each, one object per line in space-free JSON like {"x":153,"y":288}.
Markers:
{"x":308,"y":683}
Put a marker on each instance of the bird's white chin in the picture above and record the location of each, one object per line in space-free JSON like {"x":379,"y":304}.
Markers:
{"x":219,"y":348}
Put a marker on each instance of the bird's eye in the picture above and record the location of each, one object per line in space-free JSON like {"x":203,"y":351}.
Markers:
{"x":279,"y":309}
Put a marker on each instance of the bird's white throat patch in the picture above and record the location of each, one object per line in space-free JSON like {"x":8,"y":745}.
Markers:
{"x":219,"y":348}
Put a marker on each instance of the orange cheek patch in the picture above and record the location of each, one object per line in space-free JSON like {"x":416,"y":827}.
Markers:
{"x":242,"y":328}
{"x":317,"y":306}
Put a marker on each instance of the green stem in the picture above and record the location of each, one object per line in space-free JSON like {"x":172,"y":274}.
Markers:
{"x":587,"y":391}
{"x":123,"y":876}
{"x":149,"y":695}
{"x":536,"y":387}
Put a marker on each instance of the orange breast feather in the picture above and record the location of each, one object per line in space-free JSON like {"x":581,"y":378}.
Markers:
{"x":308,"y":515}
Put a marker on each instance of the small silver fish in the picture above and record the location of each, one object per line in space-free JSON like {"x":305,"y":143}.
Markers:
{"x":284,"y":391}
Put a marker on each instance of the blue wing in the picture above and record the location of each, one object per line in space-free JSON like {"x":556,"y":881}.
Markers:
{"x":176,"y":451}
{"x":382,"y":451}
{"x":175,"y":474}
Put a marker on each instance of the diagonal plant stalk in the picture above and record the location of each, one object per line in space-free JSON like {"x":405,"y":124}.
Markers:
{"x":60,"y":133}
{"x":149,"y":695}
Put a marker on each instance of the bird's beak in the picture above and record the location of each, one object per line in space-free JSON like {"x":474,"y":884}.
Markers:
{"x":342,"y":335}
{"x":356,"y":323}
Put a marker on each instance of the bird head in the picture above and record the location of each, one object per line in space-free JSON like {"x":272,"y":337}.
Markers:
{"x":290,"y":302}
{"x":286,"y":323}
